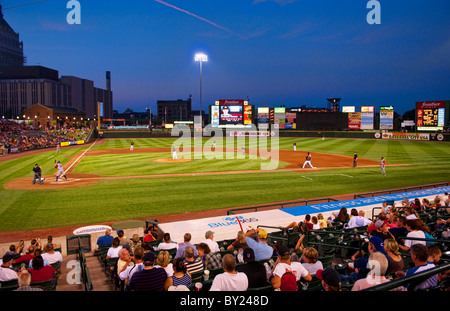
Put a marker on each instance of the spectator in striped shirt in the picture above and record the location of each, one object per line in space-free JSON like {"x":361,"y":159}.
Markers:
{"x":193,"y":265}
{"x":149,"y":279}
{"x":180,"y":275}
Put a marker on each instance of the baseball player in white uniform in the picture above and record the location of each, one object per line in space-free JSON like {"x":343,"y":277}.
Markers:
{"x":60,"y":169}
{"x":383,"y":166}
{"x":174,"y":153}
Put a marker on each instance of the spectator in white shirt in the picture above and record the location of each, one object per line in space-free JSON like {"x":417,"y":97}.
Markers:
{"x":230,"y":280}
{"x":167,"y":244}
{"x":51,"y":255}
{"x":213,"y":246}
{"x":359,"y":221}
{"x":6,"y":273}
{"x":414,"y":232}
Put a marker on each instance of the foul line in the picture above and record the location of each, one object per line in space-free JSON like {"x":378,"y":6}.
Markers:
{"x":81,"y":155}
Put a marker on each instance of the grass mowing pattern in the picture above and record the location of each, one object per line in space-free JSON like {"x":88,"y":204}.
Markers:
{"x":115,"y":200}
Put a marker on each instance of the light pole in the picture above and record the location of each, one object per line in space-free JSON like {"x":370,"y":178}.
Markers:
{"x":149,"y":117}
{"x":201,"y":57}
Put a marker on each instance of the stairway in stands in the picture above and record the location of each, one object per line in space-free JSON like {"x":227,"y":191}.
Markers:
{"x":100,"y":281}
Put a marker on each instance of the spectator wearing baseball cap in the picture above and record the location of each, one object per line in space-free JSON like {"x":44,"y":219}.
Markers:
{"x":150,"y":278}
{"x":6,"y":272}
{"x":260,"y":247}
{"x":284,"y":264}
{"x":375,"y":244}
{"x":209,"y":240}
{"x":331,"y":280}
{"x":381,"y":231}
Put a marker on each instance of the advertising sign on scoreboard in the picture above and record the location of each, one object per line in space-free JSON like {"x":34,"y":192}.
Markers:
{"x":232,"y":113}
{"x":263,"y":114}
{"x":279,"y":117}
{"x":248,"y":114}
{"x":386,"y":118}
{"x":367,"y":116}
{"x":348,"y":109}
{"x":354,"y":121}
{"x":214,"y":116}
{"x":430,"y":115}
{"x":290,"y":120}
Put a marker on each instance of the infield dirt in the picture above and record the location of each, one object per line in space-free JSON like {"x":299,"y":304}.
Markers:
{"x":295,"y":160}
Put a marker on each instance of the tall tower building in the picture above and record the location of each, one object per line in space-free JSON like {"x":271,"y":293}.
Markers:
{"x":11,"y":48}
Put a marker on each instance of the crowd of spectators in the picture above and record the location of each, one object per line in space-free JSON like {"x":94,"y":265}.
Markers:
{"x":252,"y":261}
{"x":396,"y":243}
{"x":29,"y":266}
{"x":19,"y":137}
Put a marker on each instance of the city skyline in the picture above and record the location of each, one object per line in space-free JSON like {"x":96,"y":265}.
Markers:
{"x":271,"y":52}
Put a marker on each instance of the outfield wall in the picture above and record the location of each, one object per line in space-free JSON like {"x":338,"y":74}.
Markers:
{"x":294,"y":133}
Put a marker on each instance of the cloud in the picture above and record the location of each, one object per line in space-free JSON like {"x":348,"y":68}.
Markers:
{"x":201,"y":18}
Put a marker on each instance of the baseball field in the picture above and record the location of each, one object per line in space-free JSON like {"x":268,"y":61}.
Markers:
{"x":108,"y":182}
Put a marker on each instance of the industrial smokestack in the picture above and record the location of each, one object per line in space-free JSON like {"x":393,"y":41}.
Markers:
{"x":108,"y":80}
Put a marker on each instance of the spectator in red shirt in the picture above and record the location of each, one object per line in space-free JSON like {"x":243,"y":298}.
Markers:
{"x":27,"y":257}
{"x":148,"y":236}
{"x":39,"y":272}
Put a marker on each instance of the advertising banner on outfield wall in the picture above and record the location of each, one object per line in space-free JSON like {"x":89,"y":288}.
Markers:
{"x":406,"y":136}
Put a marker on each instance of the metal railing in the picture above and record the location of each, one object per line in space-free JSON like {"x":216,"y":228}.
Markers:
{"x":412,"y":281}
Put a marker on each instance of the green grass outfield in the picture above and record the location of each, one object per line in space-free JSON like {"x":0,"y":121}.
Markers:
{"x":121,"y":199}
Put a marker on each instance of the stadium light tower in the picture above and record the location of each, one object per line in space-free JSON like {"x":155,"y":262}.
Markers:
{"x":201,"y":57}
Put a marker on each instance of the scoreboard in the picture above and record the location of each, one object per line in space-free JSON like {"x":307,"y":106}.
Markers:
{"x":430,"y":116}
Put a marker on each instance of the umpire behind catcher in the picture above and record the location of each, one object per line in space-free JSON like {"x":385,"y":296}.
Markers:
{"x":37,"y":174}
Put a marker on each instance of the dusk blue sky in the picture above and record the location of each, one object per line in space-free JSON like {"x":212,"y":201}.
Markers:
{"x":275,"y":52}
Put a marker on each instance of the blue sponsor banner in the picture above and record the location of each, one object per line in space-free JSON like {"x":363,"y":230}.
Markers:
{"x":358,"y":203}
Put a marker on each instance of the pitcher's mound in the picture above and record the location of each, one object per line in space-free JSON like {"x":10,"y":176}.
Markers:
{"x":171,"y":160}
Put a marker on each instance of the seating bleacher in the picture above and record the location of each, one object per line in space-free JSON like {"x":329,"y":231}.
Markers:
{"x":335,"y":245}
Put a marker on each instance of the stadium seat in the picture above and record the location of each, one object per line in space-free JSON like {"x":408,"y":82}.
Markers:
{"x":261,"y":289}
{"x":48,"y":285}
{"x":327,"y":261}
{"x":9,"y":285}
{"x":110,"y":265}
{"x":314,"y":285}
{"x":57,"y":266}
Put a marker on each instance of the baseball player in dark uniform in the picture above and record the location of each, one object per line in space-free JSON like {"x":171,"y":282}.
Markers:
{"x":355,"y":160}
{"x":37,"y":174}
